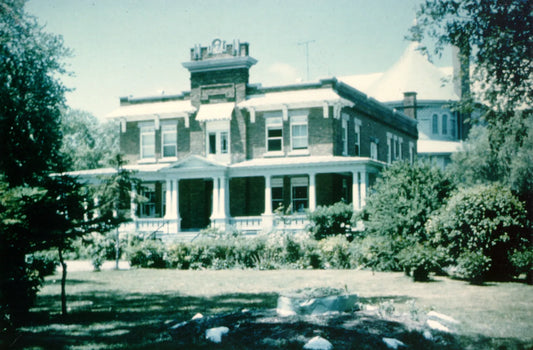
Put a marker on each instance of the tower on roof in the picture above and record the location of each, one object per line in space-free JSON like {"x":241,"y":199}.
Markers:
{"x":219,"y":72}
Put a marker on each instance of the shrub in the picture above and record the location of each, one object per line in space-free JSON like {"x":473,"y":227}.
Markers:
{"x":487,"y":220}
{"x":376,"y":252}
{"x":43,"y":262}
{"x":147,"y":254}
{"x":331,"y":220}
{"x":335,"y":252}
{"x":420,"y":260}
{"x":473,"y":266}
{"x":100,"y":247}
{"x":523,"y":263}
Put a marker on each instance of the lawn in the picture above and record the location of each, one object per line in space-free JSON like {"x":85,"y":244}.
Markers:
{"x":135,"y":308}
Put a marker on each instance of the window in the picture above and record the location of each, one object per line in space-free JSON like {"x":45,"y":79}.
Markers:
{"x":399,"y":149}
{"x":444,"y":124}
{"x":277,"y":193}
{"x":148,"y":207}
{"x":224,"y":139}
{"x":212,"y":143}
{"x":357,"y":136}
{"x":218,"y":139}
{"x":147,"y":141}
{"x":344,"y":135}
{"x":411,"y":152}
{"x":169,"y":140}
{"x":389,"y":147}
{"x":435,"y":124}
{"x":299,"y":192}
{"x":453,"y":126}
{"x":374,"y":150}
{"x":274,"y":131}
{"x":299,"y":139}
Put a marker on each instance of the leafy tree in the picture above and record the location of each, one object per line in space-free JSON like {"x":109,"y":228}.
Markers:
{"x":481,"y":227}
{"x":495,"y":35}
{"x":31,"y":96}
{"x":401,"y":201}
{"x":87,"y":143}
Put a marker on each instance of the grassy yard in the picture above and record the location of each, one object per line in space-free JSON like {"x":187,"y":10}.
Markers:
{"x":134,"y":308}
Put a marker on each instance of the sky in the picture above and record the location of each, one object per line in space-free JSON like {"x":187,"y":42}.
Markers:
{"x":136,"y":47}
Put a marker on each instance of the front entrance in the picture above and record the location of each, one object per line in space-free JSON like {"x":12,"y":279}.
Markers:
{"x":195,"y":203}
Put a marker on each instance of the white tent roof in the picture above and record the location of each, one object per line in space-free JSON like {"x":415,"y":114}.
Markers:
{"x":411,"y":73}
{"x":149,"y":109}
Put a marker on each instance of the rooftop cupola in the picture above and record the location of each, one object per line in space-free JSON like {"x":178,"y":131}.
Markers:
{"x":219,"y":72}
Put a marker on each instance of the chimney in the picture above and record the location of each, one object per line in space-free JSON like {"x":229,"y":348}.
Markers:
{"x":409,"y":104}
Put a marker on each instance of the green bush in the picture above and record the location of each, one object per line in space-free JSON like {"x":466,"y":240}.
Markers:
{"x":147,"y":254}
{"x":420,"y":260}
{"x":522,"y":260}
{"x":43,"y":262}
{"x":473,"y":266}
{"x":484,"y":219}
{"x":330,"y":220}
{"x":335,"y":252}
{"x":376,"y":252}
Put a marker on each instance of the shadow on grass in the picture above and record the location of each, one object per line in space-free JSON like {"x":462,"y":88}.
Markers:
{"x":122,"y":320}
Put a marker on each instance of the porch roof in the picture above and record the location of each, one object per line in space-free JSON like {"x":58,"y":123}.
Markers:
{"x":293,"y":165}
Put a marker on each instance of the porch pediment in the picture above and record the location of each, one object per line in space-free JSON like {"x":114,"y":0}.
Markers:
{"x":194,"y":163}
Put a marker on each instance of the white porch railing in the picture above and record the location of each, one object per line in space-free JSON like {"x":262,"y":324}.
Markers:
{"x":292,"y":223}
{"x":247,"y":223}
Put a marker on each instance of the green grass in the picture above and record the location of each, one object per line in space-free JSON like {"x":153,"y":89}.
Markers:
{"x":133,"y":309}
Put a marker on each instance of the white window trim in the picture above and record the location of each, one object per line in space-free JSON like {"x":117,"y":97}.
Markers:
{"x":218,"y":127}
{"x":146,"y":128}
{"x":174,"y":128}
{"x":357,"y":142}
{"x":344,"y":134}
{"x":273,"y":121}
{"x":374,"y":147}
{"x":299,"y":119}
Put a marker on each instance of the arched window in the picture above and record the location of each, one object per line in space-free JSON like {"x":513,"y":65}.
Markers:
{"x":435,"y":124}
{"x":444,"y":124}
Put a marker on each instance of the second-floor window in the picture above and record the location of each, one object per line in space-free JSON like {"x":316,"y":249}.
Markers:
{"x":218,"y":139}
{"x":299,"y":139}
{"x":344,"y":136}
{"x":169,"y":147}
{"x":357,"y":136}
{"x":147,"y":142}
{"x":274,"y":134}
{"x":374,"y":150}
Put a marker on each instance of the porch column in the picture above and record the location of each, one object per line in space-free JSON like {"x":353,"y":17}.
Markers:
{"x":364,"y":186}
{"x":216,"y":209}
{"x":176,"y":203}
{"x":168,"y":199}
{"x":312,"y":192}
{"x":268,"y":195}
{"x":356,"y":195}
{"x":268,"y":216}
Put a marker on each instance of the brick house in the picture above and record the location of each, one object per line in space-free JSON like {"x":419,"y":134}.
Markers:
{"x":228,"y":153}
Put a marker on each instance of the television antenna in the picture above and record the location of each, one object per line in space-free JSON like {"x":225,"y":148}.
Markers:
{"x":306,"y":43}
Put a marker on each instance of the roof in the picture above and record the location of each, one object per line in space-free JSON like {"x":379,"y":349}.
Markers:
{"x":411,"y":73}
{"x":438,"y":147}
{"x":292,"y":99}
{"x":215,"y":111}
{"x":162,"y":109}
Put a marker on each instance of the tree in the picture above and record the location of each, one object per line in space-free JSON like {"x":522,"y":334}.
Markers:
{"x":87,"y":143}
{"x":495,"y":35}
{"x":401,"y":201}
{"x":481,"y":227}
{"x":31,"y":96}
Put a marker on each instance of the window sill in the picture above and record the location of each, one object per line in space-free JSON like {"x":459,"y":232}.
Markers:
{"x":146,"y":161}
{"x":300,"y":152}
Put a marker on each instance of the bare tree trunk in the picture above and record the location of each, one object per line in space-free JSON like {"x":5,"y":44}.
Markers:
{"x":63,"y":282}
